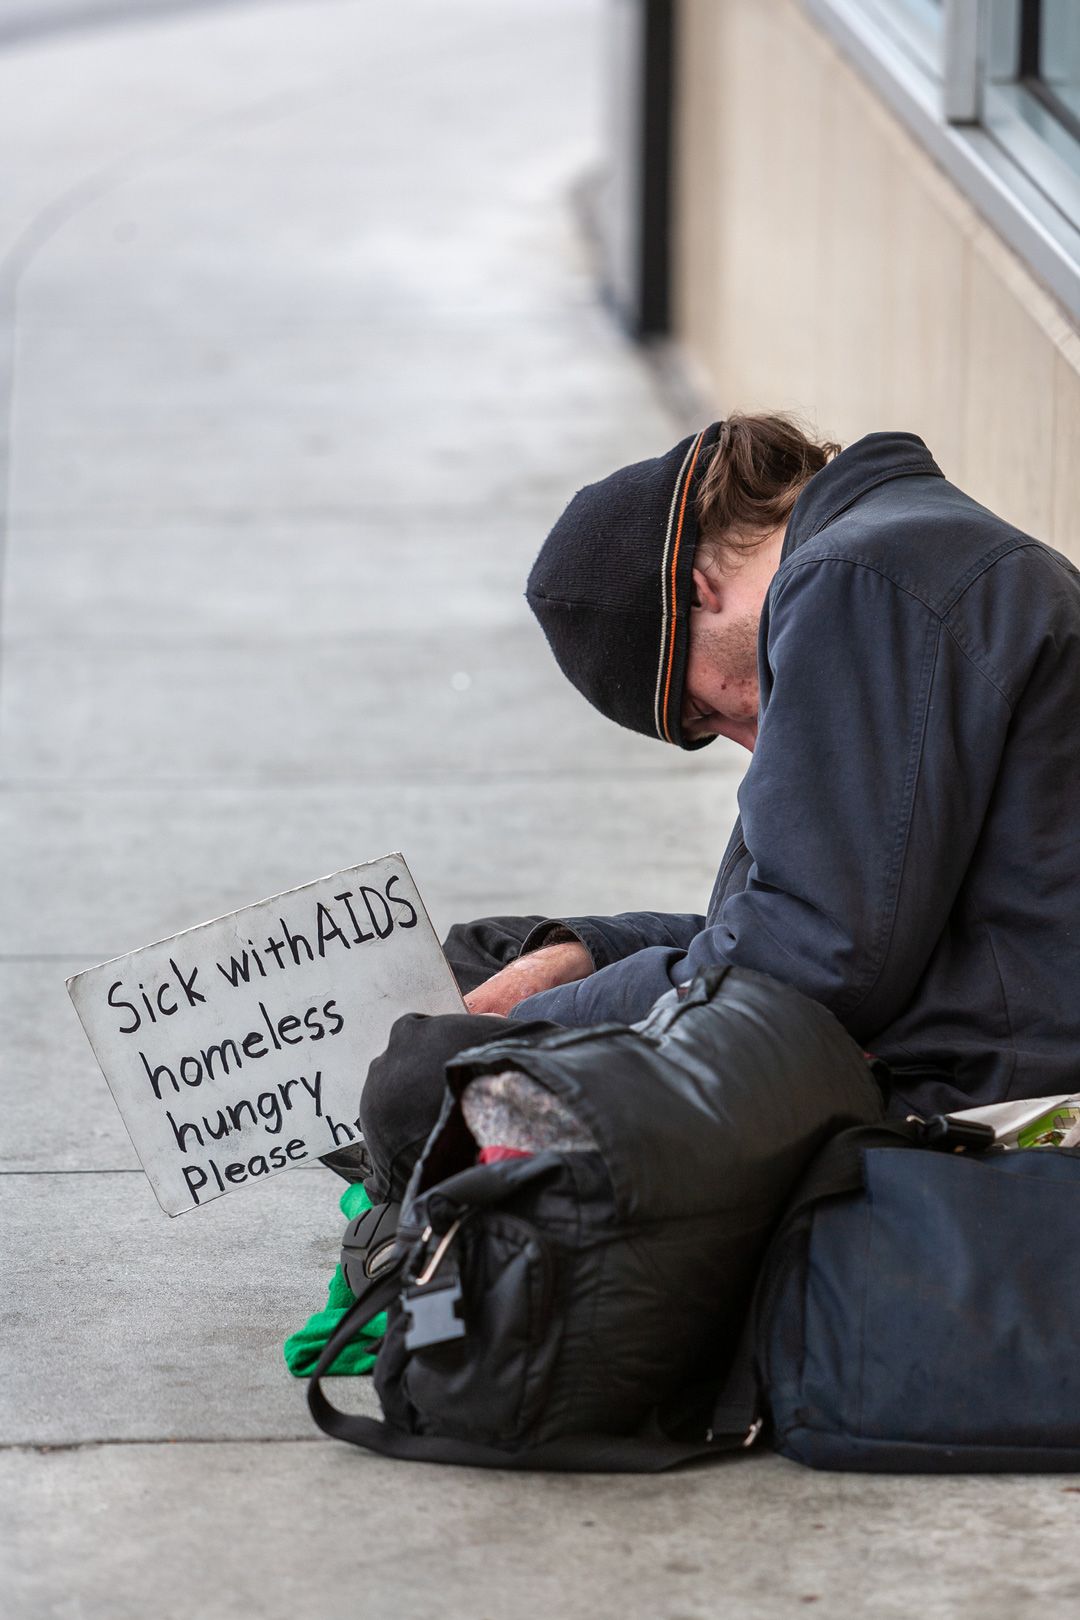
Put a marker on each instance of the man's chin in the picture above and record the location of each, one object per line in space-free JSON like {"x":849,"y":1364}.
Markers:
{"x":743,"y":732}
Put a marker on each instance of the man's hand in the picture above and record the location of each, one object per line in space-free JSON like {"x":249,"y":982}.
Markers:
{"x":539,"y":970}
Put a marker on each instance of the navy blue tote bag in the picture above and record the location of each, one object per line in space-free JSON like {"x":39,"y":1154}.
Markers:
{"x":918,"y":1310}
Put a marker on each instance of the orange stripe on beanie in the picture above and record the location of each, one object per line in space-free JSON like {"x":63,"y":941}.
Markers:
{"x":612,"y":588}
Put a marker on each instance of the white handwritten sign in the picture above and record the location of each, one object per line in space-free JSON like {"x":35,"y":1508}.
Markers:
{"x":239,"y":1048}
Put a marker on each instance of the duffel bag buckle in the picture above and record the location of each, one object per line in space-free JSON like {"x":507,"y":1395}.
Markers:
{"x":432,"y":1303}
{"x":951,"y":1135}
{"x":748,"y":1439}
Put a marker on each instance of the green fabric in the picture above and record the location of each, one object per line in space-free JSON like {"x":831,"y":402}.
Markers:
{"x":303,"y":1348}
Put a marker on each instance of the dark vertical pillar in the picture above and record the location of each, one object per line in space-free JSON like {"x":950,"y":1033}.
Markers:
{"x":637,"y":226}
{"x":656,"y":165}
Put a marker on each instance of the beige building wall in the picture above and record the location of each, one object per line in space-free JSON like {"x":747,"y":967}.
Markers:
{"x":824,"y":264}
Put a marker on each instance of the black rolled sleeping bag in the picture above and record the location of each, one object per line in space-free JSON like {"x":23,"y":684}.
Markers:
{"x":580,"y":1309}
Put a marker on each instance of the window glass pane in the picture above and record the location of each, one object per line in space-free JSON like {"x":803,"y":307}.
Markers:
{"x":1059,"y":52}
{"x":1031,"y":105}
{"x":913,"y":25}
{"x":1003,"y":40}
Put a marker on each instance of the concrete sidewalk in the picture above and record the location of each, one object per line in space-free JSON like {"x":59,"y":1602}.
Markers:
{"x":304,"y":357}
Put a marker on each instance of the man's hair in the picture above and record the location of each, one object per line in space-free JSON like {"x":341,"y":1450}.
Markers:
{"x":752,"y":481}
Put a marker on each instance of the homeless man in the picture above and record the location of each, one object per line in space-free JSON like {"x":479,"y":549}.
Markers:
{"x":904,"y":667}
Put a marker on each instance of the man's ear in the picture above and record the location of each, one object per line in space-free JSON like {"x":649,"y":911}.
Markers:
{"x":706,"y":593}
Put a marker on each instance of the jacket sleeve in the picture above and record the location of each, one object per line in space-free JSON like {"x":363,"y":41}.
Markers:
{"x":610,"y":939}
{"x":879,"y":744}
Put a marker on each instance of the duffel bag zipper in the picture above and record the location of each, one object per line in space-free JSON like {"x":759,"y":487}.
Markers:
{"x":543,"y":1249}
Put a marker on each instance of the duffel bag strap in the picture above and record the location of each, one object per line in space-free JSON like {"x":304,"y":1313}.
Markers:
{"x":376,"y":1297}
{"x":614,"y":1454}
{"x":736,"y":1418}
{"x":838,"y":1168}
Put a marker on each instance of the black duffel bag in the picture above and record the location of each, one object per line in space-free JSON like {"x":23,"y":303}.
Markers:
{"x":917,"y":1311}
{"x":579,"y":1310}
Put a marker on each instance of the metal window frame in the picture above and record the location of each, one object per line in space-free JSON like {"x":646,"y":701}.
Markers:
{"x":915,"y":26}
{"x":1030,"y":67}
{"x":994,"y":148}
{"x":1035,"y":136}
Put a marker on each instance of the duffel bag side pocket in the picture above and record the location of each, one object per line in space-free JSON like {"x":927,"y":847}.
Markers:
{"x":487,"y":1385}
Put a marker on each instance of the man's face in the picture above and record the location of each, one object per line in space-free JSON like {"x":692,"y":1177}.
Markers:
{"x":721,"y":694}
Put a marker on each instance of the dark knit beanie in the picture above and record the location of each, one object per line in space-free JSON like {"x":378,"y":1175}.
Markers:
{"x":612,"y":588}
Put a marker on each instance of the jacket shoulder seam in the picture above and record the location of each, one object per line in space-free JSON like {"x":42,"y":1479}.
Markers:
{"x":1015,"y":542}
{"x":977,"y":662}
{"x":969,"y":652}
{"x":860,"y":562}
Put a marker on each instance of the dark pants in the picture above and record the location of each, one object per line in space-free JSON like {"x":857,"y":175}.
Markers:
{"x":403,"y":1093}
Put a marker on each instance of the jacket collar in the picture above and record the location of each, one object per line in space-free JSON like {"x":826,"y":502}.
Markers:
{"x":873,"y":459}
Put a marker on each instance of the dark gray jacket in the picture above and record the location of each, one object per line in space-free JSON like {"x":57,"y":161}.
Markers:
{"x":908,"y":848}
